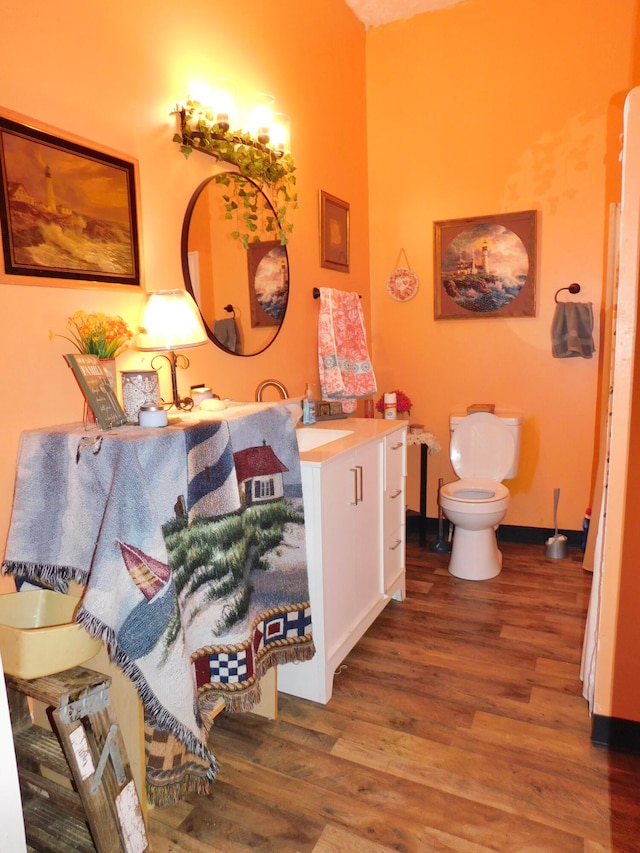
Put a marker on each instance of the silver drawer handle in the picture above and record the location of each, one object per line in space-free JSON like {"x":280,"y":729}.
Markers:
{"x":397,"y":545}
{"x":396,"y":494}
{"x":358,"y":485}
{"x":397,"y":446}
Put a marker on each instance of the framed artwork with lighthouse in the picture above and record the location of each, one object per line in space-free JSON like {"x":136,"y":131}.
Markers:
{"x":69,"y":211}
{"x":485,"y":266}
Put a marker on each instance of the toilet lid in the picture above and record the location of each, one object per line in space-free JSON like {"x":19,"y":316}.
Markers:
{"x":482,"y":446}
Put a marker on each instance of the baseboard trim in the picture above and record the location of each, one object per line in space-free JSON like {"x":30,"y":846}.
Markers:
{"x":616,"y":734}
{"x":506,"y":532}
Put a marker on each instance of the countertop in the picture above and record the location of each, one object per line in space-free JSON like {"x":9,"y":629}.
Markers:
{"x":363,"y":429}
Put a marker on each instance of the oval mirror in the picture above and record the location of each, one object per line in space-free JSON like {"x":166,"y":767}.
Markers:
{"x":240,"y":283}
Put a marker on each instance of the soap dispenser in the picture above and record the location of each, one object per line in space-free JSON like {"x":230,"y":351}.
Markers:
{"x":308,"y":408}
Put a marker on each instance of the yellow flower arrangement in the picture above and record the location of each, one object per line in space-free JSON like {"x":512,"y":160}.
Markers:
{"x":97,"y":334}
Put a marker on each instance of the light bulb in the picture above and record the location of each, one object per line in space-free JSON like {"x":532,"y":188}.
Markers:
{"x":263,"y":118}
{"x":280,"y":132}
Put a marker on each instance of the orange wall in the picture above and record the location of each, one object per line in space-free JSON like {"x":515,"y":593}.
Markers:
{"x":111,"y":72}
{"x":488,"y":107}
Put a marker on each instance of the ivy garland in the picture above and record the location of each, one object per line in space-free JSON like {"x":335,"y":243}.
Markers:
{"x":262,"y":174}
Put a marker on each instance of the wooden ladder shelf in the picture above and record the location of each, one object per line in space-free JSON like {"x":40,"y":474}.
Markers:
{"x":76,"y":784}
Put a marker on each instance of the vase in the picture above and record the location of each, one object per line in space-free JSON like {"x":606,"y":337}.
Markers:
{"x":109,"y":365}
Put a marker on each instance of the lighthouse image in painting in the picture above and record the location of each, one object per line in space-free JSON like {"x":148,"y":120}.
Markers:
{"x":484,"y":267}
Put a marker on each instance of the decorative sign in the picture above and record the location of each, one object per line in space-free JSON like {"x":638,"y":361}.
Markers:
{"x":94,"y":384}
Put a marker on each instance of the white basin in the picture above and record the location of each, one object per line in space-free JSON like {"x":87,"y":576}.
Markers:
{"x":38,"y":635}
{"x":310,"y":437}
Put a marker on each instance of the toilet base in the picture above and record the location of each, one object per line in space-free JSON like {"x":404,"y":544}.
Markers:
{"x":475,"y":555}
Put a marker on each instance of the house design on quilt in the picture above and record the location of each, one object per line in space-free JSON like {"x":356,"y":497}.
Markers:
{"x":259,"y":473}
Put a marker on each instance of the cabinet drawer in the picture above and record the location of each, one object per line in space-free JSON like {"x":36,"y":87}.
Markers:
{"x":393,"y":555}
{"x":393,"y":508}
{"x":395,"y":468}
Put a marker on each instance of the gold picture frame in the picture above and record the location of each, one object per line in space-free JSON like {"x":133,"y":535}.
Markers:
{"x":485,"y":266}
{"x":69,"y":211}
{"x":334,"y":232}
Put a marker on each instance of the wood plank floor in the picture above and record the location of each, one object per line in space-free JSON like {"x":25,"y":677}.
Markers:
{"x":457,"y":724}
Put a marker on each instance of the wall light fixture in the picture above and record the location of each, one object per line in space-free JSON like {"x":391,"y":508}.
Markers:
{"x":212,"y":128}
{"x":261,"y":153}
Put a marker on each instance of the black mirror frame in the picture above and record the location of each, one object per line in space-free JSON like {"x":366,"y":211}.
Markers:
{"x":184,"y":246}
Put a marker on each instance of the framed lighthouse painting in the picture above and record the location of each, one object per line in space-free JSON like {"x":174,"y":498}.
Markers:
{"x":485,"y":266}
{"x":69,"y":211}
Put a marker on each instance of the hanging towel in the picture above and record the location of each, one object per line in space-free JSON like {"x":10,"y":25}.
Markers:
{"x":346,"y":372}
{"x":226,"y":331}
{"x":572,"y":330}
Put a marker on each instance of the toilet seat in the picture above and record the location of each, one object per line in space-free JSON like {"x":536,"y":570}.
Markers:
{"x":482,"y":447}
{"x":475,"y":490}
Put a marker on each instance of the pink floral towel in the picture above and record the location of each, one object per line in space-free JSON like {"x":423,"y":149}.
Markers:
{"x":345,"y":368}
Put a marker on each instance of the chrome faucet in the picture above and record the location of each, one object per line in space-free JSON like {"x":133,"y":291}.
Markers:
{"x":276,"y":384}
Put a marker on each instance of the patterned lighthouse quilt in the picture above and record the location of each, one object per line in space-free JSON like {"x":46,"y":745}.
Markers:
{"x":190,"y":543}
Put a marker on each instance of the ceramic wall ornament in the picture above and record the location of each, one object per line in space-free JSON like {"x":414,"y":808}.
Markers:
{"x":402,"y":284}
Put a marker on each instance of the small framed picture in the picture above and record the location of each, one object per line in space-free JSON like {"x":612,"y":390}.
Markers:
{"x":334,"y":233}
{"x":485,"y":266}
{"x":68,"y":211}
{"x":268,"y":282}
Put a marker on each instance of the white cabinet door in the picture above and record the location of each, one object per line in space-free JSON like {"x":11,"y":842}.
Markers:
{"x":351,"y":543}
{"x":354,"y":517}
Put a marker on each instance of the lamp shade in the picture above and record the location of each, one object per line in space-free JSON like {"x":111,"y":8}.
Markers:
{"x":171,"y":320}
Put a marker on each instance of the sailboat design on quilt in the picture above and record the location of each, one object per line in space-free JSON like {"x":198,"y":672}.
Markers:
{"x":148,"y":619}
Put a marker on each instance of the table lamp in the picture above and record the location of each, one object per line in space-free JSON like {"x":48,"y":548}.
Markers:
{"x":171,"y":321}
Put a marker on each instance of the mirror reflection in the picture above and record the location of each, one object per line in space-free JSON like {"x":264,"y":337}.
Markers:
{"x":242,"y":293}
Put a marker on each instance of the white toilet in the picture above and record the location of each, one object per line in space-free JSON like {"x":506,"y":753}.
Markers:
{"x":484,"y":450}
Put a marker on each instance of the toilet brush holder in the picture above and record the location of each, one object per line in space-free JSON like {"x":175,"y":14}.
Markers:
{"x":556,"y":547}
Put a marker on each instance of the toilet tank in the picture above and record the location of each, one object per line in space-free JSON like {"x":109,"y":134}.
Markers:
{"x":512,"y":420}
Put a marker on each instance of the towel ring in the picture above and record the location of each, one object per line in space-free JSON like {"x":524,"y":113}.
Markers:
{"x":230,"y":309}
{"x":573,"y":288}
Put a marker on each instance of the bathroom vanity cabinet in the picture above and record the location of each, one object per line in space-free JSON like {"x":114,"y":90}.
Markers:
{"x":354,"y":500}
